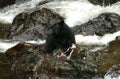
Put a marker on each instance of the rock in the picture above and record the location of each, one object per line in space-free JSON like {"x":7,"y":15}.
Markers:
{"x":33,"y":26}
{"x":31,"y":61}
{"x":103,"y":24}
{"x":27,"y":65}
{"x":114,"y":46}
{"x":118,"y":38}
{"x":17,"y":50}
{"x":3,"y":59}
{"x":111,"y":57}
{"x":5,"y":72}
{"x":18,"y":24}
{"x":4,"y":3}
{"x":4,"y":30}
{"x":43,"y":2}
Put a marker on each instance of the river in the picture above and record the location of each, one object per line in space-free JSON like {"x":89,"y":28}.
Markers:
{"x":75,"y":12}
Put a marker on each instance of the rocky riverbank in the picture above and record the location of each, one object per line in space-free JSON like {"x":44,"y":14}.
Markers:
{"x":26,"y":60}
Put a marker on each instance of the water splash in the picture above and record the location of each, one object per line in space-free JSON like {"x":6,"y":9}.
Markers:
{"x":99,"y":40}
{"x":39,"y":41}
{"x":6,"y":44}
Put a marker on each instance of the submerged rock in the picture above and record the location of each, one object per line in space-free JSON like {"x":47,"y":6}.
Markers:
{"x":103,"y":24}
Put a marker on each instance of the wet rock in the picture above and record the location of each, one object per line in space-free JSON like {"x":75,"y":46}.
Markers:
{"x":114,"y":46}
{"x":19,"y":50}
{"x":27,"y":65}
{"x":18,"y":24}
{"x":4,"y":30}
{"x":39,"y":64}
{"x":118,"y":38}
{"x":100,"y":58}
{"x":4,"y":3}
{"x":36,"y":26}
{"x":5,"y":72}
{"x":103,"y":24}
{"x":31,"y":61}
{"x":111,"y":57}
{"x":43,"y":2}
{"x":3,"y":59}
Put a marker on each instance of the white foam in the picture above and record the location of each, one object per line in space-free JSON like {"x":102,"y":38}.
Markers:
{"x":8,"y":13}
{"x":79,"y":12}
{"x":96,"y":39}
{"x":111,"y":77}
{"x":37,"y":41}
{"x":6,"y":44}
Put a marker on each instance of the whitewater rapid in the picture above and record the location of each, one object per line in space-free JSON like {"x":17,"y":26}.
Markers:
{"x":75,"y":13}
{"x":8,"y":13}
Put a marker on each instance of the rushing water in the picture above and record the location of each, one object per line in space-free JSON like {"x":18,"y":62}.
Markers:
{"x":79,"y":12}
{"x":8,"y":13}
{"x":75,"y":12}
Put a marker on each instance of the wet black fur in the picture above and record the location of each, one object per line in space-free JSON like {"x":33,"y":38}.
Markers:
{"x":61,"y":37}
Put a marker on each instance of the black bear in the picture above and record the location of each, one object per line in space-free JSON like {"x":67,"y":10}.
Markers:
{"x":61,"y":37}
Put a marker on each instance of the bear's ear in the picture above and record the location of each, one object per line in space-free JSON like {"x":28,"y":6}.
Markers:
{"x":62,"y":22}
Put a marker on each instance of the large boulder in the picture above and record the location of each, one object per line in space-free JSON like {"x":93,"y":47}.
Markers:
{"x":103,"y":24}
{"x":18,"y":24}
{"x":31,"y":61}
{"x":33,"y":26}
{"x":88,"y":62}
